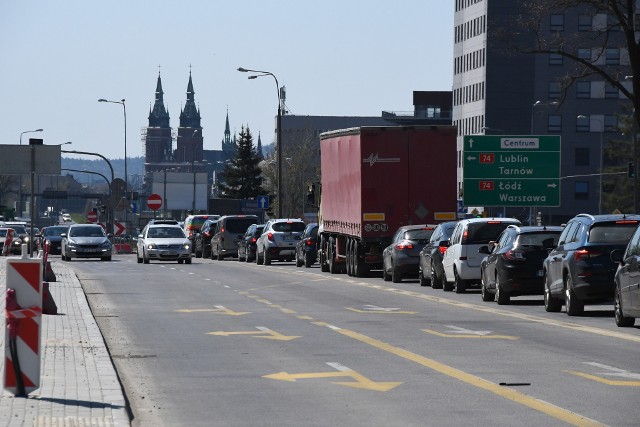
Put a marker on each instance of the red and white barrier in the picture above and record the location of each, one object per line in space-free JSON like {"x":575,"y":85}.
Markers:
{"x":23,"y":317}
{"x":6,"y":248}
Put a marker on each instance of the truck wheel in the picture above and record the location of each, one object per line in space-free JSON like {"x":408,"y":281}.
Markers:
{"x":333,"y":268}
{"x":323,"y":261}
{"x":359,"y":268}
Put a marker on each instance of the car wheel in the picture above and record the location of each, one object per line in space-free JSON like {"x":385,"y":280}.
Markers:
{"x":502,"y":297}
{"x":436,"y":281}
{"x":180,"y":261}
{"x":423,"y":280}
{"x":145,"y":259}
{"x":484,"y":292}
{"x":299,"y":262}
{"x":459,"y":284}
{"x":138,"y":259}
{"x":446,"y":285}
{"x":259,"y":259}
{"x":220,"y":256}
{"x":551,"y":304}
{"x":574,"y":306}
{"x":621,"y":320}
{"x":385,"y":276}
{"x":267,"y":258}
{"x":308,"y":260}
{"x":106,"y":258}
{"x":187,"y":261}
{"x":198,"y":253}
{"x":206,"y":253}
{"x":396,"y":276}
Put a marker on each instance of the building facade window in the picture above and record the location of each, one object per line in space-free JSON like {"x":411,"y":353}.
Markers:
{"x":610,"y":123}
{"x":583,"y":124}
{"x":554,"y":90}
{"x":554,"y":124}
{"x":556,"y":23}
{"x":584,"y":53}
{"x":612,"y":56}
{"x":583,"y":90}
{"x":582,"y":156}
{"x":584,"y":23}
{"x":611,"y":92}
{"x":581,"y":190}
{"x":555,"y":59}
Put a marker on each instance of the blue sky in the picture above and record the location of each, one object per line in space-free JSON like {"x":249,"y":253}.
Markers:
{"x":350,"y":58}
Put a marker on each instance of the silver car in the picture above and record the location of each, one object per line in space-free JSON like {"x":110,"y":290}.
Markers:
{"x":278,"y":240}
{"x":86,"y":241}
{"x":163,"y":242}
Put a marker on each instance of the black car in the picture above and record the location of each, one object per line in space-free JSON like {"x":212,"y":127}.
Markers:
{"x":580,"y":269}
{"x":627,"y":282}
{"x":53,"y":235}
{"x":202,"y":239}
{"x":513,"y":265}
{"x":247,"y":245}
{"x":402,"y":256}
{"x":307,"y":247}
{"x":430,"y":264}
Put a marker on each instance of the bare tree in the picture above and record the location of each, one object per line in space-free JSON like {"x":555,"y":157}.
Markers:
{"x":8,"y":185}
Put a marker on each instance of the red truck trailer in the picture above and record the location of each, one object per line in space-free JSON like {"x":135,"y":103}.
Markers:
{"x":376,"y":179}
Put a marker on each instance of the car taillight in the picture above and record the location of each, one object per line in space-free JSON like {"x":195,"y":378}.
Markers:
{"x":222,"y":230}
{"x":206,"y":233}
{"x":442,"y":249}
{"x":310,"y":242}
{"x":514,"y":255}
{"x":465,"y":234}
{"x":270,"y":236}
{"x":404,"y":245}
{"x":253,"y":240}
{"x":586,"y":254}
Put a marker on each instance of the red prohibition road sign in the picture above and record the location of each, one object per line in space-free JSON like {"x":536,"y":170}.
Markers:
{"x":92,"y":216}
{"x":154,"y":201}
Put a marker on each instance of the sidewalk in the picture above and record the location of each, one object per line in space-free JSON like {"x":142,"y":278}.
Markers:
{"x":78,"y":383}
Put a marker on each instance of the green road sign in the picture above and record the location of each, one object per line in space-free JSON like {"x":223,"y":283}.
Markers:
{"x":503,"y":170}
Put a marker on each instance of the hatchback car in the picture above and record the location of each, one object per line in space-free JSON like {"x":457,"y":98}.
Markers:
{"x":513,"y":265}
{"x":402,"y":256}
{"x":247,"y":245}
{"x":579,"y":269}
{"x":86,"y":241}
{"x":163,"y":242}
{"x":430,"y":263}
{"x":461,"y":261}
{"x":53,"y":235}
{"x":307,"y":247}
{"x":229,"y":231}
{"x":202,"y":241}
{"x":193,"y":224}
{"x":278,"y":240}
{"x":627,"y":282}
{"x":20,"y":236}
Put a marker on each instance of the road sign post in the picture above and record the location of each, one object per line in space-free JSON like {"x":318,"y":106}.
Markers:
{"x":502,"y":170}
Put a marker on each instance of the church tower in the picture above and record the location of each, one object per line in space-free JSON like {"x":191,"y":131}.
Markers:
{"x":190,"y":139}
{"x":158,"y":142}
{"x":228,"y":145}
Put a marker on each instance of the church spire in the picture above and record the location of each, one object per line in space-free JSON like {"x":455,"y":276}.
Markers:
{"x":190,"y":116}
{"x":159,"y":115}
{"x":259,"y":147}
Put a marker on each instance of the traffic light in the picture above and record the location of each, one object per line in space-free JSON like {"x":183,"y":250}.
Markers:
{"x":631,"y":172}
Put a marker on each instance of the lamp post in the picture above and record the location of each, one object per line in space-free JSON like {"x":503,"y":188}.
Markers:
{"x":108,"y":187}
{"x":601,"y":167}
{"x":278,"y":131}
{"x":533,"y":110}
{"x":193,"y":171}
{"x":20,"y":183}
{"x":126,"y":176}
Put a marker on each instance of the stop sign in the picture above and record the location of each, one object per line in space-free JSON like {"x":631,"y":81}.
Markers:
{"x":154,"y":201}
{"x":92,"y":216}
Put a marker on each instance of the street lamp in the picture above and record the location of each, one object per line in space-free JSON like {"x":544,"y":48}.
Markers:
{"x":601,"y":169}
{"x":533,"y":110}
{"x":108,"y":187}
{"x":278,"y":130}
{"x":20,"y":183}
{"x":193,"y":158}
{"x":124,"y":109}
{"x":28,"y":131}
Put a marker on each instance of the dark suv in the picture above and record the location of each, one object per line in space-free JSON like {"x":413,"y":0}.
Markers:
{"x":202,"y":240}
{"x":579,"y":269}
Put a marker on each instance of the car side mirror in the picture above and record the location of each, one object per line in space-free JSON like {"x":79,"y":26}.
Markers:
{"x":63,"y":235}
{"x":616,"y":256}
{"x":484,"y":250}
{"x":444,"y":243}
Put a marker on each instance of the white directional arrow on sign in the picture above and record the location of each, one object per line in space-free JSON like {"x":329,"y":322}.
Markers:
{"x":471,"y":158}
{"x":458,"y":330}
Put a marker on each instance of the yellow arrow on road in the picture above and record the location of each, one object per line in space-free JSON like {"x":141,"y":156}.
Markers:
{"x":263,"y":332}
{"x":361,"y":381}
{"x":219,"y":309}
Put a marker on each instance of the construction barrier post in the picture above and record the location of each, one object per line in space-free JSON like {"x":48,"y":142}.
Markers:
{"x":6,"y":248}
{"x":23,"y":311}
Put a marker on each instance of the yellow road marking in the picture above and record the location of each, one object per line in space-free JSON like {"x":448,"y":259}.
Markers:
{"x":440,"y":334}
{"x":505,"y":392}
{"x":606,"y":381}
{"x":262,"y":331}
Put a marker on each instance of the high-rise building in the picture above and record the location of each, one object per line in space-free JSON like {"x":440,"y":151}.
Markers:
{"x":499,"y":91}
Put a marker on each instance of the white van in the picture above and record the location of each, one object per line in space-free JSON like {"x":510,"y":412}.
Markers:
{"x":461,"y":261}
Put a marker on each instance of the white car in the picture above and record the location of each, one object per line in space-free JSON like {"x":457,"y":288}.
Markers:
{"x":461,"y":261}
{"x":278,"y":240}
{"x":163,"y":242}
{"x":86,"y":241}
{"x":66,"y":217}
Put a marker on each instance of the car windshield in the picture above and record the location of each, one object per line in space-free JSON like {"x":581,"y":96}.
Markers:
{"x":19,"y":229}
{"x":418,"y":234}
{"x":484,"y":232}
{"x":165,"y":233}
{"x":86,"y":232}
{"x":55,"y":231}
{"x":544,"y":239}
{"x":612,"y":232}
{"x":288,"y":226}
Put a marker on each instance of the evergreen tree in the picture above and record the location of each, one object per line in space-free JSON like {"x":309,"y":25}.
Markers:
{"x":242,"y":174}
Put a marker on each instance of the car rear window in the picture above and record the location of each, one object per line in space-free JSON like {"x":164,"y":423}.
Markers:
{"x":418,"y":234}
{"x":289,"y":226}
{"x":86,"y":232}
{"x":544,"y":239}
{"x":239,"y":225}
{"x":612,"y":232}
{"x":479,"y":233}
{"x":55,"y":231}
